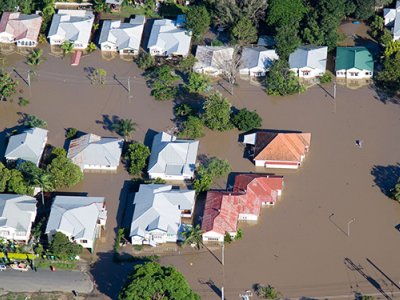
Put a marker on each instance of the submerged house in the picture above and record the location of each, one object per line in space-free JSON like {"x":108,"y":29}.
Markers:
{"x":27,"y":146}
{"x":392,"y":20}
{"x":123,"y":38}
{"x":79,"y":218}
{"x":172,"y":158}
{"x":212,"y":60}
{"x":92,"y":152}
{"x":309,"y":61}
{"x":158,"y":210}
{"x":223,"y":210}
{"x":74,"y":26}
{"x":167,"y":39}
{"x":256,"y":61}
{"x":354,"y":63}
{"x":20,"y":29}
{"x":278,"y":149}
{"x":17,"y":213}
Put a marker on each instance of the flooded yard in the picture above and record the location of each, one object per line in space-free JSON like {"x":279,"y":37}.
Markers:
{"x":299,"y":246}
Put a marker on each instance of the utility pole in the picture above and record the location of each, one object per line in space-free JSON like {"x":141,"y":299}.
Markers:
{"x":29,"y":78}
{"x":223,"y":271}
{"x":348,"y":226}
{"x":129,"y":89}
{"x":334,"y":89}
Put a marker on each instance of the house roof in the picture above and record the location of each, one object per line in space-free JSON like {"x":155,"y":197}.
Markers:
{"x":167,"y":36}
{"x":123,"y":35}
{"x":309,"y":56}
{"x":16,"y":211}
{"x":91,"y":149}
{"x":281,"y":146}
{"x":27,"y":145}
{"x":172,"y":156}
{"x":158,"y":207}
{"x":114,"y":2}
{"x":257,"y":57}
{"x":213,"y":56}
{"x":76,"y":216}
{"x":222,"y":209}
{"x":72,"y":25}
{"x":354,"y":57}
{"x":21,"y":26}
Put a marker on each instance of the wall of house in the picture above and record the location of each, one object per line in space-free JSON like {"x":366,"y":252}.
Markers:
{"x":209,"y":71}
{"x":169,"y":177}
{"x":99,"y":167}
{"x":276,"y":164}
{"x":212,"y":236}
{"x":247,"y":217}
{"x":26,"y":43}
{"x":108,"y":47}
{"x":6,"y":38}
{"x":308,"y":72}
{"x":354,"y":74}
{"x":157,"y":51}
{"x":11,"y":234}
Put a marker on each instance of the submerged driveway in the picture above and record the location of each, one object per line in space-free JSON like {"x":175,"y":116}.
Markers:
{"x":45,"y":281}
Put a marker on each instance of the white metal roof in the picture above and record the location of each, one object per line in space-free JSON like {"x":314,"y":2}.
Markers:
{"x":76,"y":216}
{"x":91,"y":149}
{"x":123,"y":35}
{"x":309,"y":56}
{"x":27,"y":145}
{"x":257,"y":57}
{"x":72,"y":25}
{"x":167,"y":36}
{"x":16,"y":211}
{"x":172,"y":156}
{"x":157,"y":207}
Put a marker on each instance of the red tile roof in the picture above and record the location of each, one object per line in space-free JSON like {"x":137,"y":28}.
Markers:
{"x":281,"y":146}
{"x":222,"y":209}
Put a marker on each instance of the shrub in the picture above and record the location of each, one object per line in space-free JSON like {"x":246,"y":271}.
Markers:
{"x":227,"y":238}
{"x":182,"y":110}
{"x":33,"y":121}
{"x":145,"y":61}
{"x":246,"y":120}
{"x":239,"y":234}
{"x":326,"y":78}
{"x":71,"y":133}
{"x":23,"y":102}
{"x":136,"y":157}
{"x":267,"y":292}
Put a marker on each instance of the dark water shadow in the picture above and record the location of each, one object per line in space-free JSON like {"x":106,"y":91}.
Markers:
{"x":386,"y":177}
{"x":210,"y":283}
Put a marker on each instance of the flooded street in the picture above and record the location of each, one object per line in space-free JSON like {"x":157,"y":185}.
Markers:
{"x":300,"y":245}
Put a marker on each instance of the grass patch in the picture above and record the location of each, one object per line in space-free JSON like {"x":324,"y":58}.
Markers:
{"x":62,"y":265}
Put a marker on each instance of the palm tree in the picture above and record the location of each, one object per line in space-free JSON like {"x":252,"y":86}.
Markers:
{"x":35,"y":58}
{"x":67,"y":47}
{"x":124,"y":127}
{"x":193,"y":235}
{"x":44,"y":182}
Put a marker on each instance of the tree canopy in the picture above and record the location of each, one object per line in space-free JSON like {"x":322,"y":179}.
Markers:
{"x":136,"y":157}
{"x":198,"y":21}
{"x":209,"y":171}
{"x":192,"y":128}
{"x":217,"y":112}
{"x":153,"y":281}
{"x":281,"y":81}
{"x":198,"y":83}
{"x":244,"y":32}
{"x":246,"y":120}
{"x":63,"y":248}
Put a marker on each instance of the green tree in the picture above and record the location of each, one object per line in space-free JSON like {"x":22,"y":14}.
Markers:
{"x":396,"y":192}
{"x":35,"y":57}
{"x":4,"y":177}
{"x":71,"y":133}
{"x":67,"y":47}
{"x":364,"y":9}
{"x":192,"y":128}
{"x":33,"y":121}
{"x":198,"y":21}
{"x":63,"y":172}
{"x":285,"y":12}
{"x":217,"y":112}
{"x":267,"y":292}
{"x":198,"y":83}
{"x":8,"y":5}
{"x":244,"y":32}
{"x":91,"y":46}
{"x":246,"y":120}
{"x":280,"y":81}
{"x":8,"y":86}
{"x":193,"y":235}
{"x":101,"y":6}
{"x":136,"y":158}
{"x":125,"y":128}
{"x":287,"y":41}
{"x":162,"y":82}
{"x":145,"y":61}
{"x":153,"y":281}
{"x":391,"y":48}
{"x":377,"y":25}
{"x":16,"y":183}
{"x":389,"y":78}
{"x":186,"y":64}
{"x":29,"y":171}
{"x":182,"y":110}
{"x":208,"y":172}
{"x":44,"y":181}
{"x":26,"y":6}
{"x":98,"y":76}
{"x":63,"y":248}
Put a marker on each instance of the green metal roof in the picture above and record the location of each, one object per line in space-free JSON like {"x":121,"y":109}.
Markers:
{"x":354,"y":57}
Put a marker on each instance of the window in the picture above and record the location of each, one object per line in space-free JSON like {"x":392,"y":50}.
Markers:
{"x":212,"y":239}
{"x":368,"y":73}
{"x":306,"y":73}
{"x":84,"y":241}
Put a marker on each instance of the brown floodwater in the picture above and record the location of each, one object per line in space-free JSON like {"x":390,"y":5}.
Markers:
{"x":298,"y":245}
